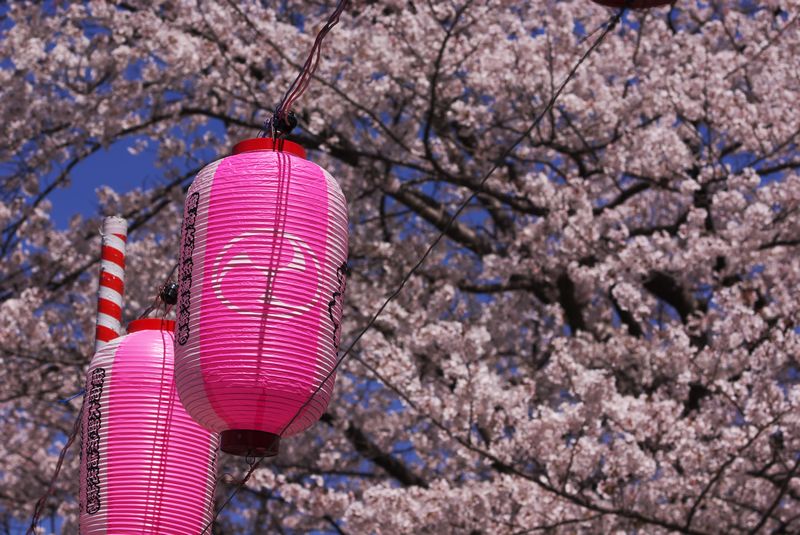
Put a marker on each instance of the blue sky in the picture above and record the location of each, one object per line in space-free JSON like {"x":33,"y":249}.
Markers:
{"x":114,"y":167}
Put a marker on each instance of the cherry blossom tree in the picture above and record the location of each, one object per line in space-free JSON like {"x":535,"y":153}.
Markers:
{"x":606,"y":340}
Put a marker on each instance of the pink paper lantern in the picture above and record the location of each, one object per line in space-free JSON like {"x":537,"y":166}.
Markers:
{"x":146,"y":466}
{"x":262,"y":273}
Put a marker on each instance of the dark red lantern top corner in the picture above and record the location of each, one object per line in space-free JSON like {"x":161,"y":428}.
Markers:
{"x":268,"y":143}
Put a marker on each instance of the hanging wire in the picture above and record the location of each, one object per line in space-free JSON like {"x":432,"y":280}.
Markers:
{"x":73,"y":396}
{"x":254,"y":465}
{"x":39,"y":508}
{"x":460,"y":209}
{"x":609,"y":20}
{"x":283,"y":119}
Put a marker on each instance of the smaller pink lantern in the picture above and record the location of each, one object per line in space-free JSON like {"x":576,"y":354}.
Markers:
{"x":146,"y":466}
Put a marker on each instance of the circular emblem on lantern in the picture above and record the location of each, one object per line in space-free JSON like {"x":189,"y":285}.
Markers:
{"x":267,"y":272}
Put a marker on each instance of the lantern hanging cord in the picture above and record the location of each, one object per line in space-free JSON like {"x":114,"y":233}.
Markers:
{"x":609,"y":20}
{"x":39,"y":508}
{"x":283,"y":119}
{"x":73,"y":396}
{"x":434,"y":243}
{"x":253,"y":464}
{"x":507,"y":152}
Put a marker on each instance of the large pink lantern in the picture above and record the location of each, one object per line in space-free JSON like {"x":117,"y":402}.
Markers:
{"x":262,"y":269}
{"x":146,"y":466}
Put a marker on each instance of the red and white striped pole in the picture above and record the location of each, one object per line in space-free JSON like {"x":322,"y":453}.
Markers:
{"x":112,"y":280}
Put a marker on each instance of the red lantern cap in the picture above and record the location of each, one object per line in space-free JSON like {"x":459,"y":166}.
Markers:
{"x":267,"y":143}
{"x":151,"y":324}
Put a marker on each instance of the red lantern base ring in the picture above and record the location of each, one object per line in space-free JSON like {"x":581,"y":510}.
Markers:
{"x":248,"y":443}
